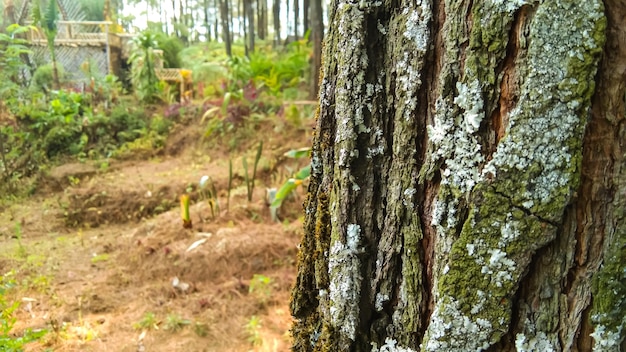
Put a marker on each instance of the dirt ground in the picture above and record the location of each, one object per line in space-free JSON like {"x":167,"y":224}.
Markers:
{"x":99,"y":256}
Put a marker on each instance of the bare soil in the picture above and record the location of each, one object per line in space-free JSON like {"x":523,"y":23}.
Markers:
{"x":101,"y":246}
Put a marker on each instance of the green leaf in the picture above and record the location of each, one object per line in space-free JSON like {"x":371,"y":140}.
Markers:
{"x":284,"y":191}
{"x":298,"y":153}
{"x":303,"y":173}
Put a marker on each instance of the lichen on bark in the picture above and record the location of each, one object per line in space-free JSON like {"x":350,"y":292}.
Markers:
{"x":522,"y":191}
{"x":448,"y":147}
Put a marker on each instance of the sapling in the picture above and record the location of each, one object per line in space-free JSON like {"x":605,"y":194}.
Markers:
{"x":230,"y":183}
{"x":209,"y":194}
{"x":250,"y":182}
{"x":292,"y":183}
{"x":184,"y":210}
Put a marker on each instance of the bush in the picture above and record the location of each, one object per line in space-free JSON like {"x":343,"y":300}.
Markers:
{"x":43,"y":78}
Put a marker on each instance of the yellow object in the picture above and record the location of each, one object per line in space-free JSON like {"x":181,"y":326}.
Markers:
{"x":184,"y":211}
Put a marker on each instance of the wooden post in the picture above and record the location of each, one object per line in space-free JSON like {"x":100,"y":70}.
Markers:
{"x":108,"y":47}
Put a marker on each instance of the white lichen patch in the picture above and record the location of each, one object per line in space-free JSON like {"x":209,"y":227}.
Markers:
{"x":352,"y":60}
{"x":410,"y":64}
{"x":509,"y":5}
{"x":605,"y":339}
{"x":531,"y":340}
{"x":509,"y":231}
{"x":453,"y":139}
{"x":537,"y":343}
{"x":451,"y":330}
{"x":470,"y":99}
{"x":540,"y":144}
{"x":499,"y":267}
{"x":345,"y":282}
{"x":417,"y":24}
{"x":390,"y":345}
{"x":380,"y":300}
{"x":407,"y":199}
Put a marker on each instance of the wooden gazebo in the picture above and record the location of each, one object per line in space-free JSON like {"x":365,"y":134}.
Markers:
{"x":77,"y":42}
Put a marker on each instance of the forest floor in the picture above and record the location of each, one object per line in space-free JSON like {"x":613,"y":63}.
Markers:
{"x":99,"y":257}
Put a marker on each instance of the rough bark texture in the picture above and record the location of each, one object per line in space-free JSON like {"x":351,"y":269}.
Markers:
{"x":468,"y":181}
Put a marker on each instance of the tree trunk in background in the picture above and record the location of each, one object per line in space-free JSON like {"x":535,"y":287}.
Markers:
{"x":225,"y":26}
{"x":207,"y":22}
{"x":174,"y":20}
{"x":306,"y":6}
{"x":296,"y":17}
{"x":182,"y":19}
{"x":251,"y":34}
{"x":468,"y":180}
{"x":262,"y":19}
{"x":215,"y":23}
{"x":243,"y":15}
{"x":8,"y":16}
{"x":317,"y":36}
{"x":276,"y":19}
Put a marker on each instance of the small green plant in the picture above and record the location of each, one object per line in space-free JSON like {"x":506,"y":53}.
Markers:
{"x":292,"y":183}
{"x":208,"y":193}
{"x":99,"y":258}
{"x":175,"y":322}
{"x":230,"y":183}
{"x":201,"y":329}
{"x":250,"y":181}
{"x":21,"y":250}
{"x":147,"y":322}
{"x":260,"y":285}
{"x":253,"y":329}
{"x":9,"y":340}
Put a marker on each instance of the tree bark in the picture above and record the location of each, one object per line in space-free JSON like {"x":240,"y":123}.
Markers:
{"x":317,"y":36}
{"x":262,"y":19}
{"x":296,"y":18}
{"x":226,"y":26}
{"x":306,"y":6}
{"x":207,"y":22}
{"x":251,"y":34}
{"x":468,"y":183}
{"x":276,"y":19}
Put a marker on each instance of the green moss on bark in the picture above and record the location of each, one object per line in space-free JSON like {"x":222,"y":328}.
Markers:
{"x":524,"y":188}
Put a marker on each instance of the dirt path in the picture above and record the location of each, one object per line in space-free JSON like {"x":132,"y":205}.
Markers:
{"x":99,"y":256}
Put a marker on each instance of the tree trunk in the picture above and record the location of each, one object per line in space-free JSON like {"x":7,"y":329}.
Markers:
{"x":276,"y":19}
{"x":174,"y":20}
{"x":251,"y":34}
{"x":8,"y":16}
{"x":296,"y":17}
{"x":216,"y":5}
{"x":317,"y":36}
{"x":225,"y":26}
{"x":207,"y":22}
{"x":306,"y":6}
{"x":468,"y":183}
{"x":262,"y":19}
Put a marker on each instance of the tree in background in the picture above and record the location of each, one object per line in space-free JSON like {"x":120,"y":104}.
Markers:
{"x":226,"y":36}
{"x":296,"y":17}
{"x":47,"y":21}
{"x":249,"y":17}
{"x":143,"y":72}
{"x":317,"y":36}
{"x":276,"y":20}
{"x":468,"y":179}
